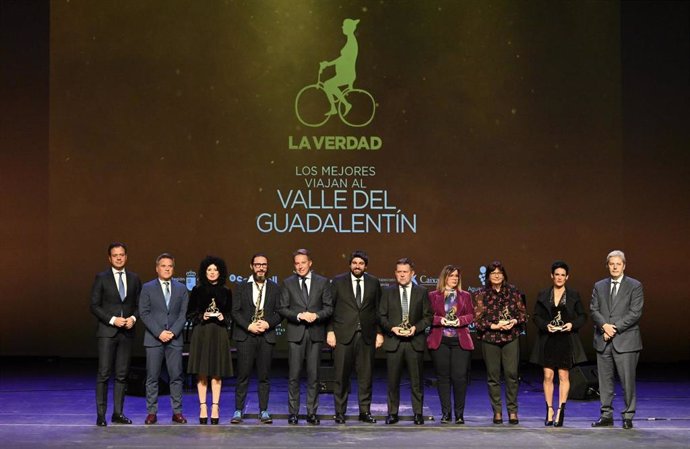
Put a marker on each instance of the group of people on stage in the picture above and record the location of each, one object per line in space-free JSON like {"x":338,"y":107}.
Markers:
{"x":355,"y":316}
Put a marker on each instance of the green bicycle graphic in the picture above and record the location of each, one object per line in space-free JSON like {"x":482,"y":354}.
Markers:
{"x":355,"y":107}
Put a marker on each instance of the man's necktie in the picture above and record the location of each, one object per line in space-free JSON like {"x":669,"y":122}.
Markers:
{"x":305,"y":292}
{"x":405,"y":305}
{"x":258,"y":296}
{"x":167,"y":294}
{"x":358,"y":293}
{"x":121,"y":287}
{"x":614,"y":290}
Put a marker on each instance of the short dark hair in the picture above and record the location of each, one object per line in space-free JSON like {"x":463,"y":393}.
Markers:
{"x":117,"y":245}
{"x":559,"y":264}
{"x":405,"y":261}
{"x":255,"y":255}
{"x":301,"y":252}
{"x":165,"y":256}
{"x":497,"y":264}
{"x":361,"y":254}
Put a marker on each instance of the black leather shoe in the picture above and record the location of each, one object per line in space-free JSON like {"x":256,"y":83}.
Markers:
{"x":339,"y":418}
{"x":446,"y":418}
{"x":314,"y":420}
{"x":120,"y":419}
{"x":293,"y":420}
{"x":460,"y":420}
{"x":513,"y":418}
{"x":366,"y":417}
{"x":100,"y":421}
{"x":498,"y":418}
{"x":603,"y":422}
{"x":392,"y":419}
{"x":418,"y":419}
{"x":627,"y":424}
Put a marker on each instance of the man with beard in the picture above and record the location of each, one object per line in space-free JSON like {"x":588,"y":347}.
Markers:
{"x":306,"y":304}
{"x":254,"y":312}
{"x":354,"y":334}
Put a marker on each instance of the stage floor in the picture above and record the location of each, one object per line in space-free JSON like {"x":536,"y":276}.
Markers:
{"x":50,"y":403}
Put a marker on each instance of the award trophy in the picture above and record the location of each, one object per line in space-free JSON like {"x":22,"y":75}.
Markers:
{"x":451,"y":318}
{"x":405,"y":326}
{"x":212,"y":309}
{"x":258,"y":314}
{"x":557,"y":323}
{"x":504,"y":317}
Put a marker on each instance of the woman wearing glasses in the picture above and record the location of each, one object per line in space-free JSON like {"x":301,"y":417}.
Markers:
{"x":500,"y":317}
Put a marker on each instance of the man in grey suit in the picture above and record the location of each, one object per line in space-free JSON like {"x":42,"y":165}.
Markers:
{"x":354,"y":333}
{"x":306,"y":304}
{"x":405,"y":313}
{"x":616,"y":310}
{"x":163,"y":309}
{"x":114,"y":301}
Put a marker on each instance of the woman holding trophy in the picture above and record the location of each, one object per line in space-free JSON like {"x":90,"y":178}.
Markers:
{"x":499,"y":317}
{"x":209,"y":352}
{"x":449,"y":341}
{"x":558,"y":314}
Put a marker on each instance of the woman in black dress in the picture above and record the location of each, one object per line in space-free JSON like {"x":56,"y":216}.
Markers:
{"x":209,"y":352}
{"x":558,"y":314}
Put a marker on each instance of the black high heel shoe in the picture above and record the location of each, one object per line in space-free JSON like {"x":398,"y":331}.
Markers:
{"x":214,"y":421}
{"x":560,"y":416}
{"x":548,"y":422}
{"x":205,"y":419}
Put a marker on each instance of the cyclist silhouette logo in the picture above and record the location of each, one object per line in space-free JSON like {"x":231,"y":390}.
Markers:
{"x":316,"y":103}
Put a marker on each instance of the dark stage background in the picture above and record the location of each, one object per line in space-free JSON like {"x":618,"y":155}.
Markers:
{"x":519,"y":131}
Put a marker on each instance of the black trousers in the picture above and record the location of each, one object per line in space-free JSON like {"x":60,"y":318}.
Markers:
{"x":254,"y":349}
{"x":297,"y":352}
{"x":117,"y":349}
{"x":452,"y":364}
{"x":405,"y":355}
{"x":359,"y":355}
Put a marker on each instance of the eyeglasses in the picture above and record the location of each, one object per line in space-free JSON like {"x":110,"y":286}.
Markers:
{"x":260,"y":265}
{"x":496,"y":273}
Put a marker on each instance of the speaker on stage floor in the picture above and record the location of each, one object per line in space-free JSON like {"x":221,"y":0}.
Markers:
{"x":326,"y":379}
{"x":584,"y":382}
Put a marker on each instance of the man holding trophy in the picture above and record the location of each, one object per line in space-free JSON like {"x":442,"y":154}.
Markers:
{"x":404,"y":313}
{"x":255,"y":315}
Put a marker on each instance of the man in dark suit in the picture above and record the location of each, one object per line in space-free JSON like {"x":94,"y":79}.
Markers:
{"x":114,"y":301}
{"x":163,"y":309}
{"x":405,"y":313}
{"x":255,"y":314}
{"x":306,"y":303}
{"x":616,"y":308}
{"x":354,"y":333}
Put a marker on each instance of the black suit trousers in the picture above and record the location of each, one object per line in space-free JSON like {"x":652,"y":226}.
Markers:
{"x":297,"y":352}
{"x":405,"y":355}
{"x":360,"y":355}
{"x":254,"y":349}
{"x":117,"y":349}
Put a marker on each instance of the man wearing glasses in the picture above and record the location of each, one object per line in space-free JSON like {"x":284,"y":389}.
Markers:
{"x":254,"y":312}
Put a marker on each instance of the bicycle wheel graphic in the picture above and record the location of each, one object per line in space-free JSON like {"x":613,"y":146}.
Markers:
{"x":311,"y":105}
{"x":362,"y":111}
